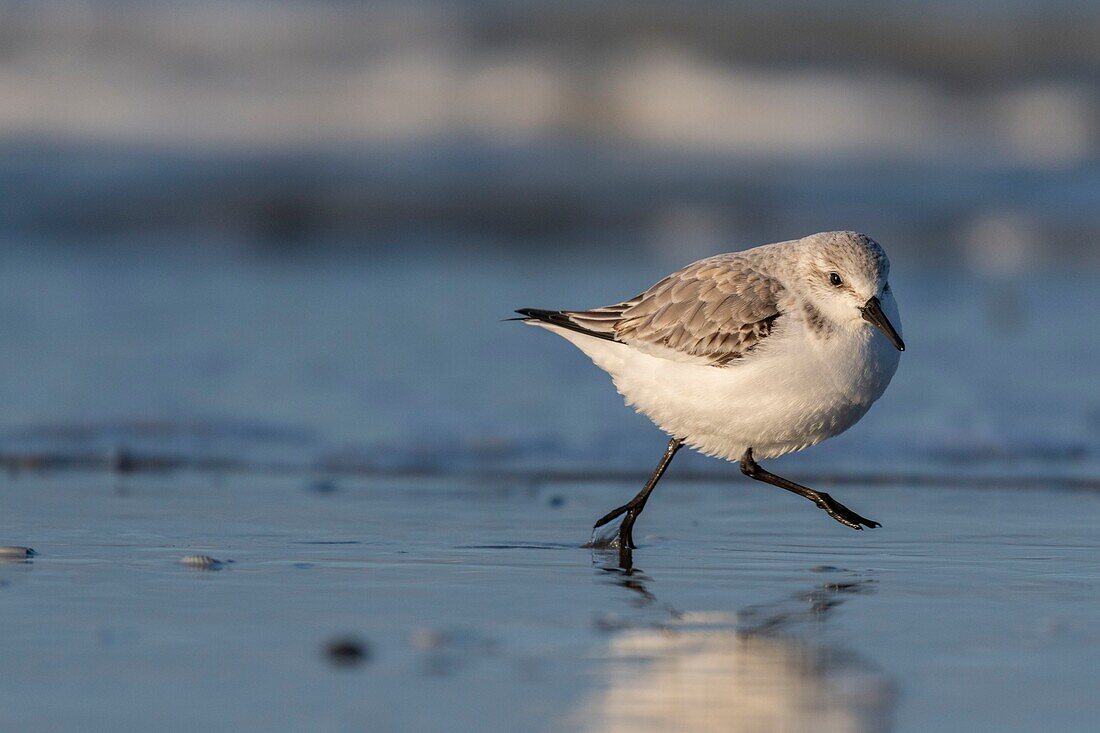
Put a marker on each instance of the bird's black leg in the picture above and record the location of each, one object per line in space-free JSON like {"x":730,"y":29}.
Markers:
{"x":635,"y":506}
{"x":832,"y":507}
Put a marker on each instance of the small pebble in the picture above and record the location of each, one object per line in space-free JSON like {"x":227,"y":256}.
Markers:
{"x":202,"y":562}
{"x":434,"y":640}
{"x":347,"y":652}
{"x":425,"y":639}
{"x":557,"y":500}
{"x":16,"y":552}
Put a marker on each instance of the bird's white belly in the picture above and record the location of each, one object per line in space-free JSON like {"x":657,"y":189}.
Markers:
{"x":778,"y":401}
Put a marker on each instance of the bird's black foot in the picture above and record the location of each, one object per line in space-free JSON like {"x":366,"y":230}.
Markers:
{"x":843,"y":514}
{"x":635,"y":506}
{"x":626,"y":529}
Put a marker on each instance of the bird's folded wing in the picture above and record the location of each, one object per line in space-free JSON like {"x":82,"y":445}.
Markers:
{"x":715,"y":310}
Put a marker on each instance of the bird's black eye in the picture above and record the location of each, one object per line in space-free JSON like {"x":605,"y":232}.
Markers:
{"x":835,"y":279}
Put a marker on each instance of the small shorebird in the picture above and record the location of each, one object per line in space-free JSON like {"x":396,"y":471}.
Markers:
{"x":749,"y":355}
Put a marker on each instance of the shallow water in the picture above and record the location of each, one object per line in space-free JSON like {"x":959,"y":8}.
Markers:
{"x":378,"y":460}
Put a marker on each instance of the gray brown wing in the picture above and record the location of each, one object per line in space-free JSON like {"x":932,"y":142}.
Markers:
{"x":716,"y":309}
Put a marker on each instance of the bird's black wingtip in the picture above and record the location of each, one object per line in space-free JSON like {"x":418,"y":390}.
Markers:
{"x":559,"y":318}
{"x":525,"y":314}
{"x":537,"y":314}
{"x":541,"y":314}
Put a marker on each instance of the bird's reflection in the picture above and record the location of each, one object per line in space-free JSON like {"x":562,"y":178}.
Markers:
{"x":747,"y":670}
{"x":636,"y":582}
{"x":800,"y":608}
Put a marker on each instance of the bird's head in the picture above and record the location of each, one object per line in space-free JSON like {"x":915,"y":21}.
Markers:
{"x":844,"y":275}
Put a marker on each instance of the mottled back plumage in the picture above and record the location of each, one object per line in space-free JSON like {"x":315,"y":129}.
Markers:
{"x":716,"y":310}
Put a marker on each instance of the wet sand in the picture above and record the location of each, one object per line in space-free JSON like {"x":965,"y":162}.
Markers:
{"x":746,"y":610}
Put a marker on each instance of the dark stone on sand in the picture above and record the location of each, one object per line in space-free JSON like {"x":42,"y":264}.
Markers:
{"x":347,"y":652}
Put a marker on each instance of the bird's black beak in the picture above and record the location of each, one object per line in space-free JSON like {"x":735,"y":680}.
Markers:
{"x":872,"y":313}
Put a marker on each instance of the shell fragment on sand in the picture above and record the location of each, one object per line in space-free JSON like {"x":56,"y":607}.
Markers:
{"x":201,"y":562}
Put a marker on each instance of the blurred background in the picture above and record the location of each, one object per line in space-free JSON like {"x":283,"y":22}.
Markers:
{"x":291,"y":229}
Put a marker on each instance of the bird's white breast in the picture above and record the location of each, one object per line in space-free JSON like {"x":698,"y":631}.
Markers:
{"x":793,"y":391}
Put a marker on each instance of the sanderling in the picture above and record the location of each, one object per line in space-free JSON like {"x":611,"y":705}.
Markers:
{"x":749,"y":355}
